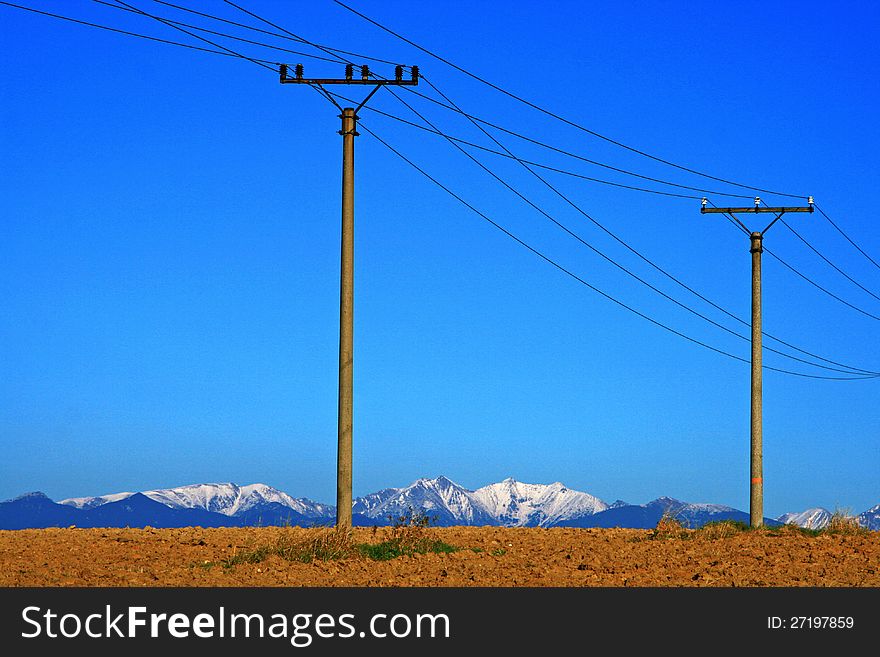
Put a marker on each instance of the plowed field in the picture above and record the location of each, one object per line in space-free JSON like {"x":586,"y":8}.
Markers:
{"x":486,"y":556}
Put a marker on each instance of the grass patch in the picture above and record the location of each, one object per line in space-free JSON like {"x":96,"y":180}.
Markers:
{"x":408,"y":537}
{"x":842,"y":522}
{"x":669,"y":527}
{"x":391,"y":549}
{"x":718,"y":529}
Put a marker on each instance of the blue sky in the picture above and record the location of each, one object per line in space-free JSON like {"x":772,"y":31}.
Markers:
{"x":169,"y":222}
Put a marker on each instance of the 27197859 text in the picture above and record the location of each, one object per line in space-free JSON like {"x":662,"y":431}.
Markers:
{"x":810,"y":623}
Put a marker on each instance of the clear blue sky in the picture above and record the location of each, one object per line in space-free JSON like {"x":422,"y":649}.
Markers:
{"x":169,"y":247}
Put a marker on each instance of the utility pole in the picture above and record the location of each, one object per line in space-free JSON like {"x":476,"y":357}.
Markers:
{"x":346,"y":278}
{"x":756,"y":452}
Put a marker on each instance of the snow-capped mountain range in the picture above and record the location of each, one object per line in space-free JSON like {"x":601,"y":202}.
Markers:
{"x":227,"y":499}
{"x":508,"y":503}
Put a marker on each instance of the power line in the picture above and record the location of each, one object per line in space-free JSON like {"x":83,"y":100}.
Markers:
{"x":292,"y":34}
{"x":598,"y":224}
{"x":848,"y":239}
{"x":807,"y":278}
{"x":333,"y":51}
{"x":223,"y":34}
{"x":739,"y":226}
{"x":275,"y":34}
{"x":133,"y":34}
{"x":584,"y":282}
{"x":557,"y":116}
{"x":816,"y":285}
{"x":567,"y":153}
{"x":196,"y":36}
{"x":233,"y":53}
{"x":438,"y":132}
{"x":547,"y":167}
{"x":831,"y":264}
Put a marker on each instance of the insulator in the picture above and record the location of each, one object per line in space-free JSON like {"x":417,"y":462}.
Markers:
{"x":704,"y":202}
{"x":415,"y":72}
{"x":365,"y":72}
{"x":349,"y":71}
{"x":282,"y":69}
{"x":299,"y":71}
{"x":398,"y":72}
{"x":757,"y":201}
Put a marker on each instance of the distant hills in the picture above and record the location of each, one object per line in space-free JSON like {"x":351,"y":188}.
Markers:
{"x":508,"y":503}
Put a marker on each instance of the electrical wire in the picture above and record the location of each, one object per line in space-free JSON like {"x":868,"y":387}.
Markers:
{"x":584,"y":282}
{"x":831,"y":264}
{"x":222,"y":34}
{"x":133,"y":34}
{"x":598,"y":251}
{"x":333,"y":52}
{"x":281,"y":36}
{"x":739,"y":226}
{"x":816,"y":285}
{"x":557,"y":116}
{"x":329,"y":51}
{"x":196,"y":36}
{"x":848,"y":239}
{"x":794,"y":270}
{"x":229,"y":52}
{"x":486,"y":149}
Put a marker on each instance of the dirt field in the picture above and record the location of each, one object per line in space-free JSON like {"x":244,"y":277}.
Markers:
{"x":487,"y":556}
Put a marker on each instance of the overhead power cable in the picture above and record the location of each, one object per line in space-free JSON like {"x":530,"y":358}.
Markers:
{"x":848,"y":368}
{"x":580,"y":280}
{"x":222,"y":34}
{"x":819,"y":287}
{"x":848,"y":239}
{"x":608,"y":232}
{"x":329,"y":51}
{"x":134,"y":34}
{"x":336,"y":53}
{"x":566,"y":172}
{"x":195,"y":36}
{"x":275,"y":34}
{"x":232,"y":53}
{"x":557,"y":116}
{"x":831,"y":264}
{"x":546,"y":167}
{"x":739,"y":226}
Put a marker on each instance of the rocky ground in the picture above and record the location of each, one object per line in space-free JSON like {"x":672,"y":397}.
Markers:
{"x":486,"y":556}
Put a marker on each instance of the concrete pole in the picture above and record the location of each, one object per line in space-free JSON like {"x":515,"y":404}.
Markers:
{"x":756,"y":497}
{"x":346,"y":327}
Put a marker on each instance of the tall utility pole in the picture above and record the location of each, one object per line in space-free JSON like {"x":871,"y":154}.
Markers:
{"x":756,"y":484}
{"x":346,"y":278}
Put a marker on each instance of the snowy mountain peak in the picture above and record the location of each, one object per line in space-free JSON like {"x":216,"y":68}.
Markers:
{"x":514,"y":503}
{"x":815,"y":518}
{"x":871,"y":518}
{"x":441,"y":499}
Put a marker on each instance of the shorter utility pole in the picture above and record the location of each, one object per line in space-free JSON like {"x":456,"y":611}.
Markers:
{"x":756,"y":455}
{"x":346,"y":277}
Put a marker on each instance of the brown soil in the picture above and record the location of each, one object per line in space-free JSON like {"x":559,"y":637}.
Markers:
{"x":488,"y":556}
